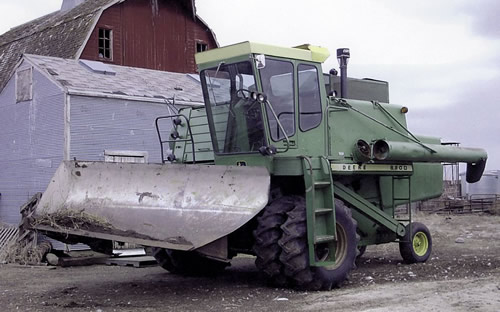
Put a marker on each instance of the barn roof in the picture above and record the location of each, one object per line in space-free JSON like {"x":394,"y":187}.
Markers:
{"x":91,"y":78}
{"x":60,"y":34}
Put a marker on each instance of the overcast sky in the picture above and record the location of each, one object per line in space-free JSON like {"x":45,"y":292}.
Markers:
{"x":441,"y":58}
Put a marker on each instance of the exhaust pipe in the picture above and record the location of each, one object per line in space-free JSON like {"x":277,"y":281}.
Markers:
{"x":343,"y":56}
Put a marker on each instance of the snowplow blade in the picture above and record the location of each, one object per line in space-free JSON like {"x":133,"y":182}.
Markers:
{"x":171,"y":205}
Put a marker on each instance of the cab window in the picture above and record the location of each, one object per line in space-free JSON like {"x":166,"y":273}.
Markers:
{"x":277,"y":83}
{"x":309,"y":97}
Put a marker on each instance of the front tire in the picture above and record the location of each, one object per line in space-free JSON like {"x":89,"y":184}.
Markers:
{"x":295,"y":252}
{"x":416,"y":245}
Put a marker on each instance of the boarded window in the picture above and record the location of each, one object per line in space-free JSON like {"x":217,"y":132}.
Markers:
{"x":105,"y":44}
{"x":200,"y":47}
{"x":126,"y":156}
{"x":24,"y":85}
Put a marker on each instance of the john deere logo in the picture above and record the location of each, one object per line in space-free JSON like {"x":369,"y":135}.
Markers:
{"x":371,"y":168}
{"x":241,"y":163}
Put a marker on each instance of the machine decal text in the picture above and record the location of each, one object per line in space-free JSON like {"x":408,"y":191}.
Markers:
{"x":371,"y":167}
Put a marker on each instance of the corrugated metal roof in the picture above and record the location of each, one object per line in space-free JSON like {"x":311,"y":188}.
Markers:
{"x":144,"y":84}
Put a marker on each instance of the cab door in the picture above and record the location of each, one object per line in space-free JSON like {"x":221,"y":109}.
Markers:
{"x":278,"y":80}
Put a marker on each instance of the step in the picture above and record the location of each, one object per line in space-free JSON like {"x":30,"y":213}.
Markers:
{"x":321,"y":211}
{"x":324,"y":239}
{"x":403,"y":220}
{"x":321,"y":184}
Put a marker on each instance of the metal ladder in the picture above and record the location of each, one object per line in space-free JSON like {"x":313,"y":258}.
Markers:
{"x":320,"y":209}
{"x":405,"y":199}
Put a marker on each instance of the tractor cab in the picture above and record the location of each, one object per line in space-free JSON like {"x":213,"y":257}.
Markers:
{"x":263,"y":100}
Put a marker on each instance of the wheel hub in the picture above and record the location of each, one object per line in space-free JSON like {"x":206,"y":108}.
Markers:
{"x":322,"y":251}
{"x":420,"y":243}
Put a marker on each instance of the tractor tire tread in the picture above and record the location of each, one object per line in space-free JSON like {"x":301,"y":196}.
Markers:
{"x":295,"y":252}
{"x":267,"y":235}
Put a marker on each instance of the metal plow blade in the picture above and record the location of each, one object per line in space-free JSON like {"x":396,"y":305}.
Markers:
{"x":175,"y":206}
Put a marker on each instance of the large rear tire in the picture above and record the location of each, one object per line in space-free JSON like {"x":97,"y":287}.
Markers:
{"x":188,"y":263}
{"x":267,"y":235}
{"x":416,"y":245}
{"x":295,"y":253}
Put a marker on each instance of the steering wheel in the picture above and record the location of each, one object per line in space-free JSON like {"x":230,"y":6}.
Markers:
{"x":246,"y":105}
{"x":242,"y":91}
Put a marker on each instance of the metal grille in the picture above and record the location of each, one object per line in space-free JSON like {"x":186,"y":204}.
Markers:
{"x":7,"y":235}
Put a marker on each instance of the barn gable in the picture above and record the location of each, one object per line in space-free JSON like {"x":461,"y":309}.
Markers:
{"x":72,"y":32}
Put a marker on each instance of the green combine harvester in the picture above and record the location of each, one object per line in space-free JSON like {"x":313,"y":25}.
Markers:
{"x":299,"y":168}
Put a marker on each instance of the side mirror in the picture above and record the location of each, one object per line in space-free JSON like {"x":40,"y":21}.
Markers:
{"x":260,"y":61}
{"x":268,"y":150}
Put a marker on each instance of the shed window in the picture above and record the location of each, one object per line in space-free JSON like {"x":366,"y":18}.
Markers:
{"x":200,"y":47}
{"x":24,"y":85}
{"x":105,"y":43}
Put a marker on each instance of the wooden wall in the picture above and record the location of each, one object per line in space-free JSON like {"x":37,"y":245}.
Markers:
{"x":163,"y":39}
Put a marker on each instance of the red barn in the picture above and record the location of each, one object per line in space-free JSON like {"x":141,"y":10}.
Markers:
{"x":154,"y":34}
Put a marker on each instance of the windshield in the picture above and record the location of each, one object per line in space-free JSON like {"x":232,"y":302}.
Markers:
{"x":235,"y":118}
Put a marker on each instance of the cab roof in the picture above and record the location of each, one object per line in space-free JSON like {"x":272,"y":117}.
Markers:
{"x":305,"y":52}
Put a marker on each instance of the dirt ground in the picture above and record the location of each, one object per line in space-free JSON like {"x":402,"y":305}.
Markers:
{"x":463,"y":274}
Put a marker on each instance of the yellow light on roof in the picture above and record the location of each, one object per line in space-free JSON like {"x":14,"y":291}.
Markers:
{"x":318,"y":54}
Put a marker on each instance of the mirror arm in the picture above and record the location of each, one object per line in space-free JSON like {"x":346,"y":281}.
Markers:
{"x":280,"y":126}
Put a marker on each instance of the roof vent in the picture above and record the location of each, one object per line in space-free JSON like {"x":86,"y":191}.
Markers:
{"x":70,"y":4}
{"x":98,"y":67}
{"x":194,"y":77}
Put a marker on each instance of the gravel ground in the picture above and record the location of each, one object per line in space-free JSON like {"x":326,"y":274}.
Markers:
{"x":463,"y":274}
